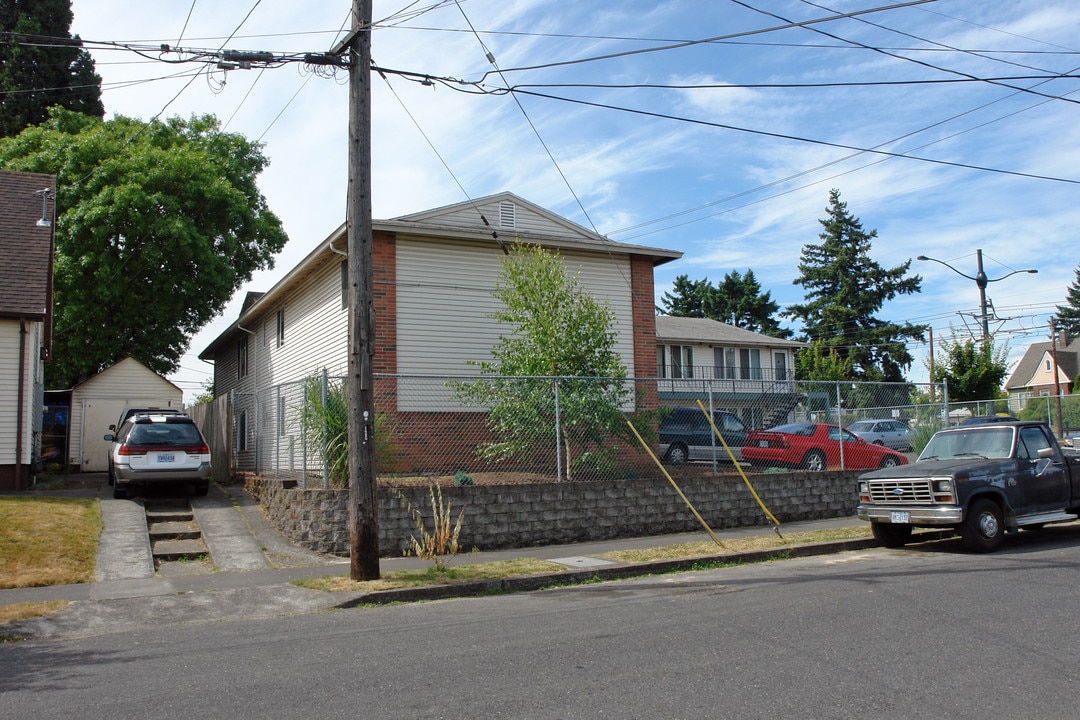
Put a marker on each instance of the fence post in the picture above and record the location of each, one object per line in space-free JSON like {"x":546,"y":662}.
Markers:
{"x":324,"y":391}
{"x":945,"y":401}
{"x":558,"y":435}
{"x":712,"y":437}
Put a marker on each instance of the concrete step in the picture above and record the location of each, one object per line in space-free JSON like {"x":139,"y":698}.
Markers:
{"x":174,"y":530}
{"x":171,"y":515}
{"x":169,"y":550}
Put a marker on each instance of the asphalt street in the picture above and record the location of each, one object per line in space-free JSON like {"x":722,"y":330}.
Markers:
{"x":924,"y":632}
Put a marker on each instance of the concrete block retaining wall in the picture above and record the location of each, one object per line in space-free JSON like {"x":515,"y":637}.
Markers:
{"x":509,"y":516}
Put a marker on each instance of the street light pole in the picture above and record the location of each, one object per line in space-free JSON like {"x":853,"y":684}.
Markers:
{"x":981,"y":281}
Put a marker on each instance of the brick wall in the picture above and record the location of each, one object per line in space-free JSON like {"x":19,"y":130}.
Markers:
{"x":509,"y":516}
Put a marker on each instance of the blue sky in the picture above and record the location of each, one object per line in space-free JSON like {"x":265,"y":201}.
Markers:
{"x":728,"y":156}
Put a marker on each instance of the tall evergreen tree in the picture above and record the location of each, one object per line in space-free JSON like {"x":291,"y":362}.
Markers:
{"x":42,"y":65}
{"x":1068,"y":315}
{"x":845,"y":288}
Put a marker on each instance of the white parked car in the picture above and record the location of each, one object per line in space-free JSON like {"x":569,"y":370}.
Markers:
{"x":157,"y":449}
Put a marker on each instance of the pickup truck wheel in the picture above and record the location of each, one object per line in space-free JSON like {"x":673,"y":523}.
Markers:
{"x":677,"y":454}
{"x":891,"y":536}
{"x":814,"y":461}
{"x":984,"y":526}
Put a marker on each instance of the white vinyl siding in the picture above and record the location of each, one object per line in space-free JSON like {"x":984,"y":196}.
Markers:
{"x":497,"y":213}
{"x":444,"y":300}
{"x":10,"y":390}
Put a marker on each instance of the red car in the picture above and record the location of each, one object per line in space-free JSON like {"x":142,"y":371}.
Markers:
{"x":815,"y":447}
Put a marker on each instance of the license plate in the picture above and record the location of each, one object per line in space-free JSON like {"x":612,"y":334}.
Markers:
{"x":166,"y":458}
{"x":902,"y":518}
{"x":763,"y":443}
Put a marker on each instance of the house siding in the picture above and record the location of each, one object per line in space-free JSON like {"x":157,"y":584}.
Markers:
{"x":10,"y":389}
{"x":446,"y":297}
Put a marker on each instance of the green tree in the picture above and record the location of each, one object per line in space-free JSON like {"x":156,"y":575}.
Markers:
{"x":1068,"y":315}
{"x":157,"y":225}
{"x":738,"y":300}
{"x":557,"y":329}
{"x":844,"y":289}
{"x":687,"y":297}
{"x":49,"y":68}
{"x":973,"y":371}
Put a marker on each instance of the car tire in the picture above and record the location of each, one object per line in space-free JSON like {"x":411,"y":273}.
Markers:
{"x":891,"y":536}
{"x":814,"y":461}
{"x":677,"y":454}
{"x":888,"y":461}
{"x":118,"y":492}
{"x":202,"y":488}
{"x":984,"y":526}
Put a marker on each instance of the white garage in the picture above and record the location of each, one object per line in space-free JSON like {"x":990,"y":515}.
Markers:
{"x":97,"y":403}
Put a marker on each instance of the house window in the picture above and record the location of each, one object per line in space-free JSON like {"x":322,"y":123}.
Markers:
{"x":344,"y":284}
{"x":242,"y":358}
{"x":661,"y":361}
{"x":724,"y":363}
{"x":1048,"y":365}
{"x":280,"y":328}
{"x":750,"y":364}
{"x":242,"y":431}
{"x":682,"y":361}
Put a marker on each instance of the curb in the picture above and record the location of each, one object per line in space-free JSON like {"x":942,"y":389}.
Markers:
{"x":621,"y":571}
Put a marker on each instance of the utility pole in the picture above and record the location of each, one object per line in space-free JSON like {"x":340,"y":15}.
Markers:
{"x":1057,"y":381}
{"x":363,"y":521}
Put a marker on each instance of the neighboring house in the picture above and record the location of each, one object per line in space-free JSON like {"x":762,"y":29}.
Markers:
{"x":742,"y":371}
{"x":96,"y":404}
{"x":1034,"y":374}
{"x":434,"y":278}
{"x":26,"y":243}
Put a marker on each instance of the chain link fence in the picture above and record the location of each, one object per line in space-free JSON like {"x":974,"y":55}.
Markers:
{"x":473,"y":430}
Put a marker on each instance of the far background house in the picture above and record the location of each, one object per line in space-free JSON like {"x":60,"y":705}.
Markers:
{"x":25,"y":319}
{"x":738,"y":370}
{"x":1034,"y":374}
{"x":96,"y":404}
{"x":434,"y":278}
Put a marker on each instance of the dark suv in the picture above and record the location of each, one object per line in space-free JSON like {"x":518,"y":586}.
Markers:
{"x":685,"y":434}
{"x":156,"y":449}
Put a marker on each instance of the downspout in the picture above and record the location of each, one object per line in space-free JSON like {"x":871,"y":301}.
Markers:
{"x":20,"y":406}
{"x":255,"y":382}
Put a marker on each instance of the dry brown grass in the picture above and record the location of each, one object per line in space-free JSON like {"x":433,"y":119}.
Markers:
{"x":48,"y":540}
{"x":737,"y":545}
{"x":25,"y":611}
{"x":432,"y":576}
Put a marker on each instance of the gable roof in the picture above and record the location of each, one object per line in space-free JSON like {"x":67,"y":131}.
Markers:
{"x":25,"y":246}
{"x":462,"y":221}
{"x":1068,"y":362}
{"x":704,"y":331}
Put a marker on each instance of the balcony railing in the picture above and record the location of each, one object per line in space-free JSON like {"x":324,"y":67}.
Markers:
{"x":721,"y":379}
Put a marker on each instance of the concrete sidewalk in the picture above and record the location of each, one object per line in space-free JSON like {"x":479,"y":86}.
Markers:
{"x":256,"y":567}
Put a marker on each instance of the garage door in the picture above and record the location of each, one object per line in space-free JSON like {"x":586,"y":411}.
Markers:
{"x":98,"y":415}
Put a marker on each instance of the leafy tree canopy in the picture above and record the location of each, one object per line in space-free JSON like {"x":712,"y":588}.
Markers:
{"x":844,"y":290}
{"x":36,"y":75}
{"x":737,"y":300}
{"x":1068,"y":315}
{"x":972,"y":371}
{"x":157,"y":225}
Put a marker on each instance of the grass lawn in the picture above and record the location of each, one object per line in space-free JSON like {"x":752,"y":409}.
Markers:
{"x":48,"y":540}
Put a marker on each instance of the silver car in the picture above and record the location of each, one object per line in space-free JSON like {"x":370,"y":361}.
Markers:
{"x":157,"y":449}
{"x":893,"y":434}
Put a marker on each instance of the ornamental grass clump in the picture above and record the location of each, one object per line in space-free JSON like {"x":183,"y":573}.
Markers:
{"x":442,"y":541}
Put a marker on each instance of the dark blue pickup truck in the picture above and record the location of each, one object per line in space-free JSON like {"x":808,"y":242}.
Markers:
{"x":982,"y":480}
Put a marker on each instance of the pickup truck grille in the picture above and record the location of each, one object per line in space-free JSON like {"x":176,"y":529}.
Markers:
{"x":901,"y":492}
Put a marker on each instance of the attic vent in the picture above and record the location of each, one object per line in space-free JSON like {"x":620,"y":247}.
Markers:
{"x":507,"y":215}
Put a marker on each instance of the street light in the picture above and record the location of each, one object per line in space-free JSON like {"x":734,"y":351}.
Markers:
{"x":982,"y":281}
